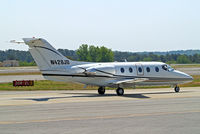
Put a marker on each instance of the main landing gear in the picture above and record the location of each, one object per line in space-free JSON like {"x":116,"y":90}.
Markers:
{"x":119,"y":91}
{"x":101,"y":90}
{"x":176,"y":89}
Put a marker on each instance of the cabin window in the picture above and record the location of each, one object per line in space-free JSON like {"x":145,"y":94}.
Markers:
{"x":122,"y":70}
{"x":130,"y":70}
{"x":156,"y":69}
{"x":140,"y":69}
{"x":148,"y":69}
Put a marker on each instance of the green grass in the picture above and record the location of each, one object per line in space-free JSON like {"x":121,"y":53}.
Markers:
{"x":46,"y":85}
{"x":21,"y":73}
{"x":52,"y":85}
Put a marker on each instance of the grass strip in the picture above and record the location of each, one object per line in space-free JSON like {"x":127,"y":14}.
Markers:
{"x":21,"y":73}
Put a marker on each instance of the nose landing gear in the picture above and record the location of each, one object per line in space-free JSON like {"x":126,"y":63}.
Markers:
{"x":176,"y":89}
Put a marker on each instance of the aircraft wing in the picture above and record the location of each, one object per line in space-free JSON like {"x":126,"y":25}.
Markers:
{"x":128,"y":81}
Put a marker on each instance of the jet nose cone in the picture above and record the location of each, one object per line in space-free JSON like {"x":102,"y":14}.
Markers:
{"x":190,"y":78}
{"x":185,"y":76}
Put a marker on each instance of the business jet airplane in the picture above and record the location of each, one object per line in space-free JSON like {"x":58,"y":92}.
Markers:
{"x":54,"y":66}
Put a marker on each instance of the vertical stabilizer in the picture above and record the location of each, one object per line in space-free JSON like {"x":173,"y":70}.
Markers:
{"x":45,"y":55}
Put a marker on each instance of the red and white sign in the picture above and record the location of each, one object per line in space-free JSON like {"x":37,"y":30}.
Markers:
{"x":23,"y":83}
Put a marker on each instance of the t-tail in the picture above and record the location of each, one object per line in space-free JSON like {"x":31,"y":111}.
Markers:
{"x":46,"y":56}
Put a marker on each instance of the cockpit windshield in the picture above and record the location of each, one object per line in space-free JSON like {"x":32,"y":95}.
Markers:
{"x":167,"y":67}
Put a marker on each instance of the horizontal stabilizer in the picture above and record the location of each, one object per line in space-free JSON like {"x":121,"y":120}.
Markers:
{"x":17,"y":42}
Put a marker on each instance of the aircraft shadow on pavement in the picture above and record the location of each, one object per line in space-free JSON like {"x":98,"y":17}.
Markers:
{"x":42,"y":99}
{"x":84,"y":95}
{"x":112,"y":95}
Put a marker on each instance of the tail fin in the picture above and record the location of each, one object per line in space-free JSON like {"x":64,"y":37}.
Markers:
{"x":45,"y":55}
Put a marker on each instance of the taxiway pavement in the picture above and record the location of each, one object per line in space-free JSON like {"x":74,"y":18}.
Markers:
{"x":139,"y":111}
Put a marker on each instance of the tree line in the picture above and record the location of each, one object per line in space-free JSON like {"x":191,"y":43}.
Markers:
{"x":102,"y":54}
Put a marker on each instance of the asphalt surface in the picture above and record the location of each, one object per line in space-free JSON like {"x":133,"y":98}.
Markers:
{"x":18,"y":69}
{"x":151,"y":111}
{"x":190,"y":71}
{"x":11,"y":70}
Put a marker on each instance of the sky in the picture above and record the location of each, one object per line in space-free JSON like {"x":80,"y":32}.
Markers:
{"x":123,"y":25}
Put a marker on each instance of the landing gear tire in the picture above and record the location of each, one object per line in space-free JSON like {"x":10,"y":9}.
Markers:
{"x":101,"y":90}
{"x":177,"y":89}
{"x":120,"y":91}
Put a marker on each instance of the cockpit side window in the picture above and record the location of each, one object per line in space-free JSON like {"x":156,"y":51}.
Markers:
{"x":164,"y":67}
{"x":167,"y":68}
{"x":170,"y":68}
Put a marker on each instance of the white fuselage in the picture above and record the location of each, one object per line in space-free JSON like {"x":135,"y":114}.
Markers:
{"x":103,"y":74}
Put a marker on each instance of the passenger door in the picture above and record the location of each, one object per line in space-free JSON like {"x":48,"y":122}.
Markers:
{"x":140,"y":69}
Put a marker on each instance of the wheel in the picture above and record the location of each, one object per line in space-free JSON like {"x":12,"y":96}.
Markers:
{"x":101,"y":90}
{"x":177,"y":89}
{"x":120,"y":91}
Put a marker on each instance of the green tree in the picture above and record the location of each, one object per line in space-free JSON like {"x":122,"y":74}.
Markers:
{"x":82,"y":52}
{"x":94,"y":54}
{"x":105,"y":55}
{"x":10,"y":57}
{"x":147,"y":59}
{"x":183,"y":59}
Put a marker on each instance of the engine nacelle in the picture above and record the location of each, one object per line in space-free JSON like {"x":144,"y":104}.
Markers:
{"x":76,"y":70}
{"x":102,"y":70}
